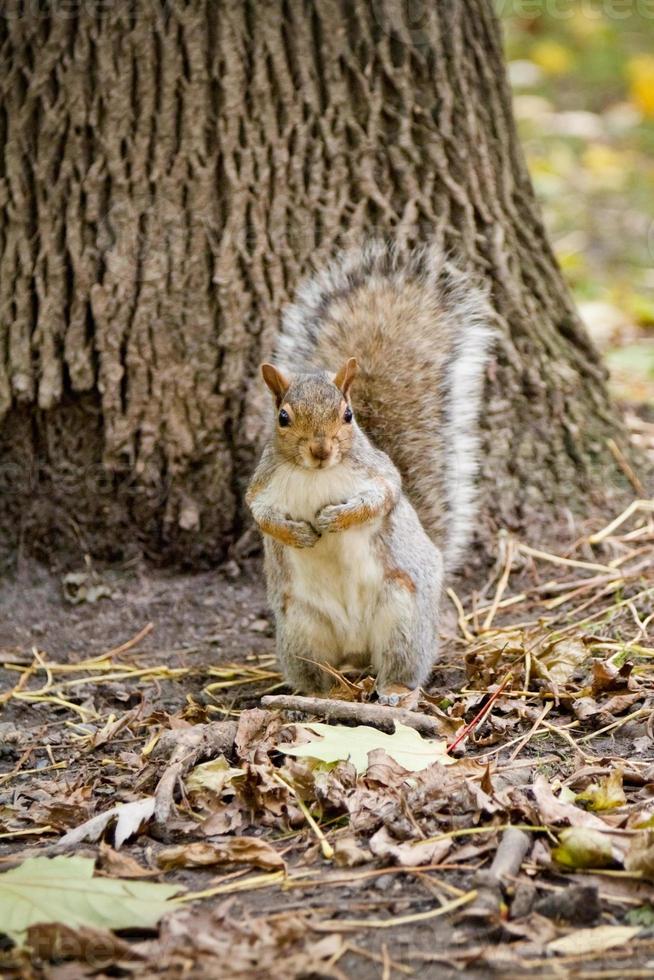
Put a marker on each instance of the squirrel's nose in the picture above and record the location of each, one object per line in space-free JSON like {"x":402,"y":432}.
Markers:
{"x":320,"y":449}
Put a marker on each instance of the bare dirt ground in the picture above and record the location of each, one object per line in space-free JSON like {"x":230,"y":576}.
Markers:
{"x":381,"y":874}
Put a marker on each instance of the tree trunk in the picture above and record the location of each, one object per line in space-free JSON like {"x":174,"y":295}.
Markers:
{"x":170,"y":171}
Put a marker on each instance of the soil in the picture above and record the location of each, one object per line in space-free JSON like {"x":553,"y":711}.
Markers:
{"x":210,"y":620}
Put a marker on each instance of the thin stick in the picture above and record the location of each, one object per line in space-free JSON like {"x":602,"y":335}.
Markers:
{"x":372,"y":714}
{"x":244,"y":885}
{"x":124,"y":647}
{"x":341,"y":925}
{"x":556,"y":560}
{"x":635,"y":505}
{"x":532,"y":731}
{"x":619,"y":457}
{"x":480,"y":716}
{"x":461,"y":616}
{"x":501,"y":585}
{"x":325,"y":846}
{"x":640,"y":713}
{"x":375,"y":958}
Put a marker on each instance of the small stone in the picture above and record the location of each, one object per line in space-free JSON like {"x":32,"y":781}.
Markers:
{"x":231,"y":570}
{"x":577,"y":904}
{"x":523,"y":900}
{"x":260,"y":626}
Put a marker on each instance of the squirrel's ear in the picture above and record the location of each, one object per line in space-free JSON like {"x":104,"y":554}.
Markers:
{"x":275,"y":381}
{"x":344,"y":378}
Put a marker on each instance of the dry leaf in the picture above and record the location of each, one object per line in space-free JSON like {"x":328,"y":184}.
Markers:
{"x":410,"y":853}
{"x":211,"y":777}
{"x":348,"y":854}
{"x":231,"y":850}
{"x":121,"y":865}
{"x":129,"y":818}
{"x":640,"y":856}
{"x":595,"y":940}
{"x":561,"y":660}
{"x":553,"y":811}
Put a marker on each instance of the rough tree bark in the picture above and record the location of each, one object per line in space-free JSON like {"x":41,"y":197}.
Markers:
{"x":170,"y":171}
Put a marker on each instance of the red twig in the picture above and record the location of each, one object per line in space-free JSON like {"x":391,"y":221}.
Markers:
{"x":479,"y":717}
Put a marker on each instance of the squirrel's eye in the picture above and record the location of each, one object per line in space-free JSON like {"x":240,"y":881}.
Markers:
{"x":347,"y":415}
{"x":284,"y":418}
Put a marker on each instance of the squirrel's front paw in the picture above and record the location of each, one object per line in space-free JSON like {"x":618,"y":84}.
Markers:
{"x":333,"y":517}
{"x":302,"y":534}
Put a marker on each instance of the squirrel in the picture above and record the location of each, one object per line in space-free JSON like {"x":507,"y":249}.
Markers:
{"x":365,"y":489}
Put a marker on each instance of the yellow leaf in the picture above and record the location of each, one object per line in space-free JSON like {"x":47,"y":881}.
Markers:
{"x":606,"y":794}
{"x":583,"y":847}
{"x":640,"y":71}
{"x":552,"y":57}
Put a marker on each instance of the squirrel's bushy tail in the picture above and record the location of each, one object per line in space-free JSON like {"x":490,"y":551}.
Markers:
{"x":419,"y":329}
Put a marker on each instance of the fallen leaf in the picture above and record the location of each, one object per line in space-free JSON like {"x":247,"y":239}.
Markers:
{"x":555,"y":811}
{"x":583,"y":847}
{"x":640,"y":856}
{"x":409,"y":854}
{"x":121,"y":865}
{"x":211,"y":776}
{"x":608,"y":676}
{"x":348,"y":854}
{"x":129,"y":818}
{"x":642,"y":916}
{"x":606,"y":794}
{"x":595,"y":940}
{"x":561,"y":660}
{"x":231,"y":850}
{"x":63,"y":889}
{"x":352,"y":744}
{"x":54,"y":941}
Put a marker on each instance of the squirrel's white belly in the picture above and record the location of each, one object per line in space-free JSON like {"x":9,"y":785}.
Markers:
{"x":342,"y":578}
{"x":342,"y":575}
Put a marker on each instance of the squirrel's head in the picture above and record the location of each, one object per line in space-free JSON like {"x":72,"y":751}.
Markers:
{"x":314,"y":416}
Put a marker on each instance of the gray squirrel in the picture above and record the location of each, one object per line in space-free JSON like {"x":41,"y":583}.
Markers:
{"x":365,"y":490}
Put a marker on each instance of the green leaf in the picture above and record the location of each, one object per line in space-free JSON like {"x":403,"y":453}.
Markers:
{"x":340,"y":743}
{"x":63,"y":890}
{"x":642,"y":916}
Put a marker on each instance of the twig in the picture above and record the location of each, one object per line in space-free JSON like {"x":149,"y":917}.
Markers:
{"x":506,"y":864}
{"x":124,"y":647}
{"x":619,"y":457}
{"x":532,"y":731}
{"x":461,"y":616}
{"x":325,"y":846}
{"x":343,"y":925}
{"x":371,"y":714}
{"x":375,"y":958}
{"x":557,"y":560}
{"x":634,"y":506}
{"x":479,"y":717}
{"x":501,"y":585}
